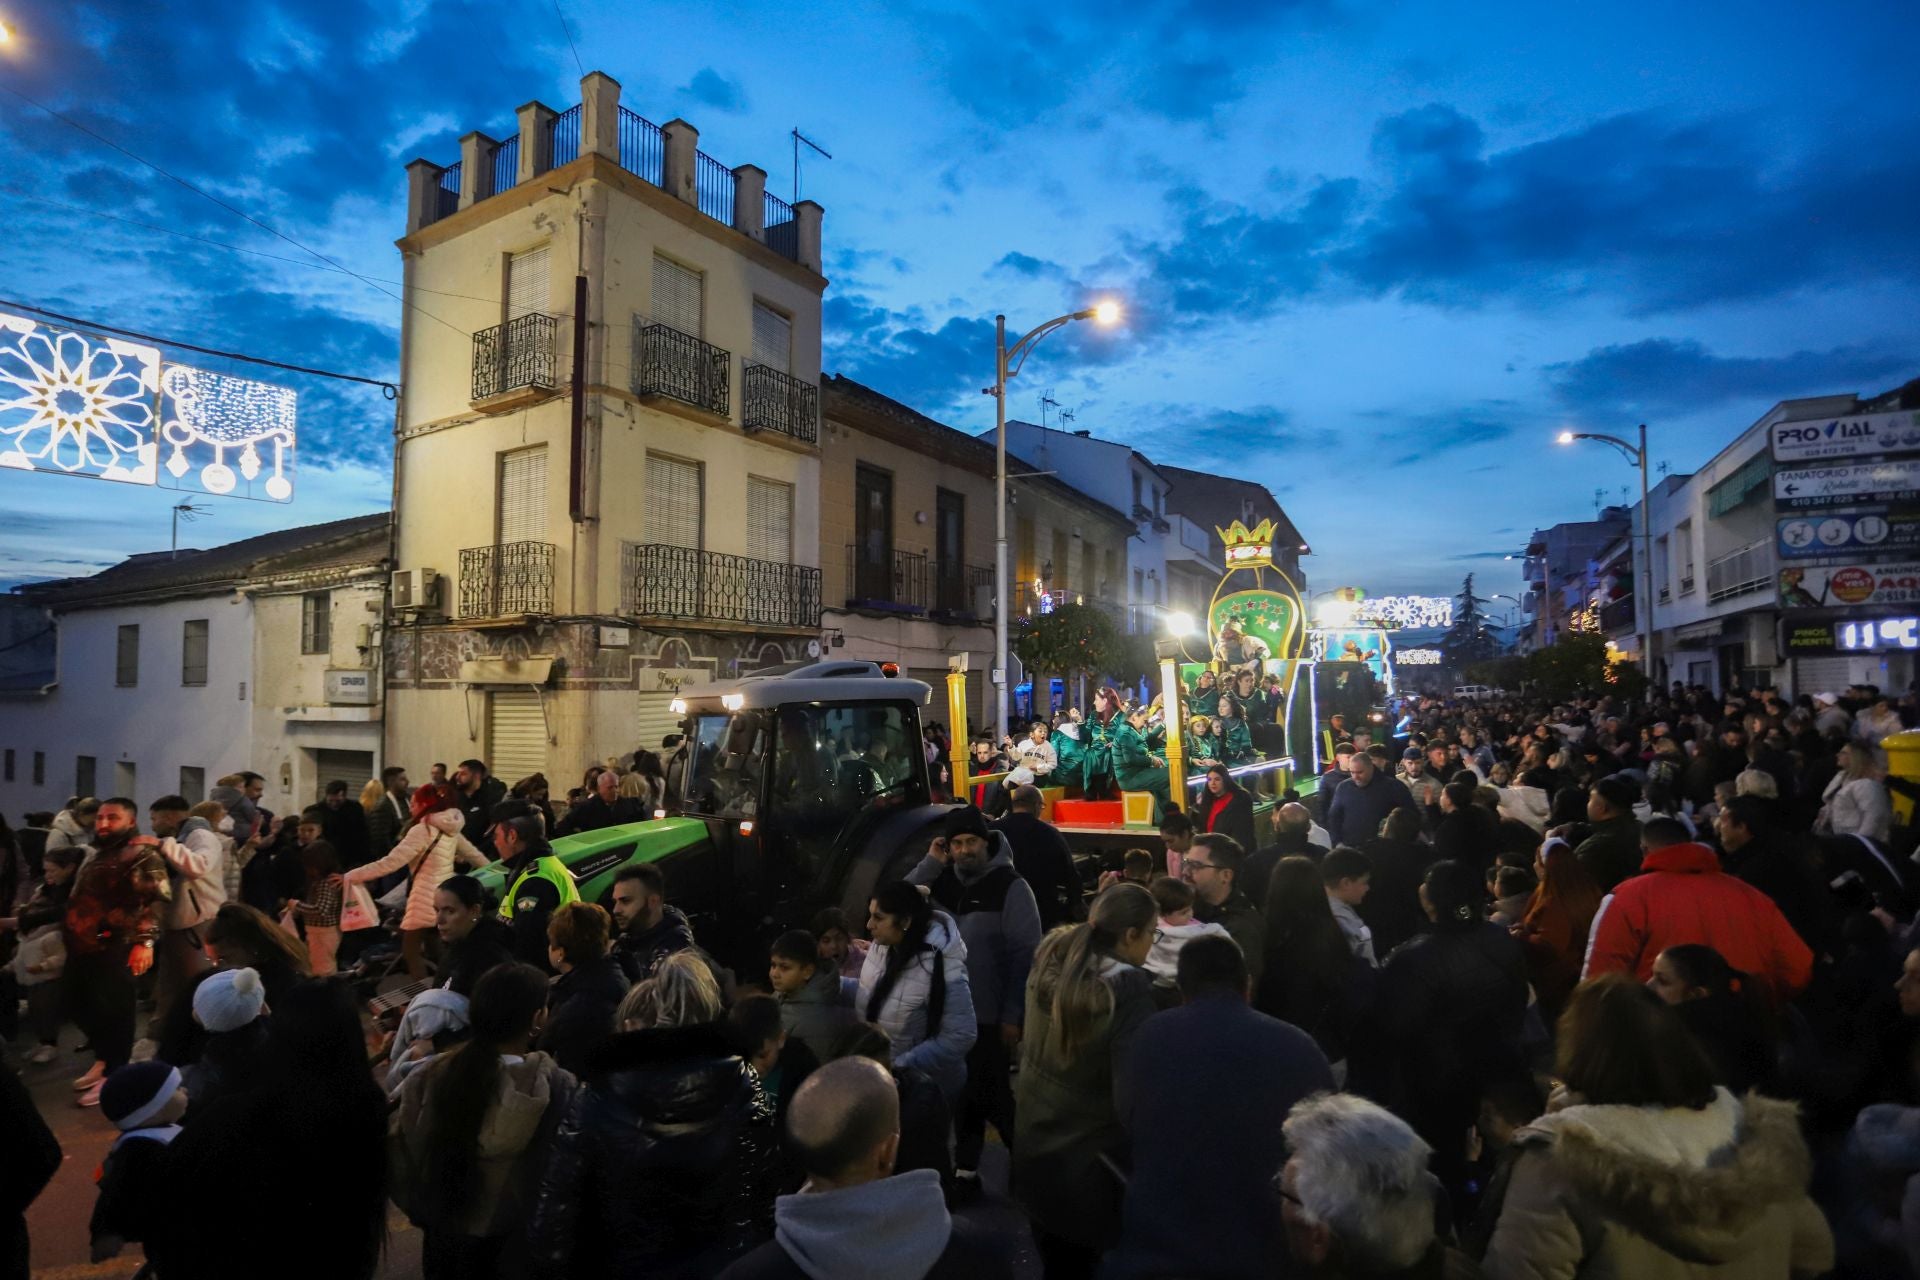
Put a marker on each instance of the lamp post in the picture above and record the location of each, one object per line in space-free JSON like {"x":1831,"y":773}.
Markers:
{"x":1006,"y":364}
{"x":1638,"y":457}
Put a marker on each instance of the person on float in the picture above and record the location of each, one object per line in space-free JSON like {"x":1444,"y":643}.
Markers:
{"x":1205,"y":697}
{"x":1096,"y":761}
{"x":1236,"y":739}
{"x":1203,"y":744}
{"x":1135,"y":767}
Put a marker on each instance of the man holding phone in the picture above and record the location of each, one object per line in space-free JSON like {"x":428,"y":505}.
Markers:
{"x":969,"y":870}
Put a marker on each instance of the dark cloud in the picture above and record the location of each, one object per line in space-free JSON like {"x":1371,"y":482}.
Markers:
{"x":1025,"y":264}
{"x":936,"y":368}
{"x":1667,"y":377}
{"x":1189,"y":88}
{"x":1482,"y":555}
{"x":712,"y":89}
{"x":1202,"y":436}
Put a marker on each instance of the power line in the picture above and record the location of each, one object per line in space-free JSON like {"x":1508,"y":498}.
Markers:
{"x":18,"y":194}
{"x":578,"y":65}
{"x":390,"y":388}
{"x":206,"y":195}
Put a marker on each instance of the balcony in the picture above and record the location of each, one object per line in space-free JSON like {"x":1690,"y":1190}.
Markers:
{"x":1743,"y":573}
{"x":1616,"y":615}
{"x":890,"y":583}
{"x":688,"y":584}
{"x":963,"y":593}
{"x":678,"y":366}
{"x":513,"y":362}
{"x":774,"y":401}
{"x":506,"y":579}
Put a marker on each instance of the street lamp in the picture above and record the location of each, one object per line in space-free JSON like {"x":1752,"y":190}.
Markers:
{"x":1006,"y":364}
{"x":1637,"y":456}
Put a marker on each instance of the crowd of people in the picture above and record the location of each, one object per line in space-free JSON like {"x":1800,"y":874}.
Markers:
{"x":1521,"y":990}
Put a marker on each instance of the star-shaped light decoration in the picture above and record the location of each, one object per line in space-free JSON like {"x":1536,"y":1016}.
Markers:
{"x":76,"y":404}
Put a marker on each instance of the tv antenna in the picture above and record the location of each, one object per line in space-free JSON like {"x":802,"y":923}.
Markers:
{"x":798,"y":139}
{"x":1066,"y":416}
{"x":1047,"y":402}
{"x":189,"y":512}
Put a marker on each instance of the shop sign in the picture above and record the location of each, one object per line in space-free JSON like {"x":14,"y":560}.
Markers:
{"x":1848,"y":485}
{"x":1850,"y":635}
{"x":1848,"y":533}
{"x":1863,"y":436}
{"x":1827,"y":586}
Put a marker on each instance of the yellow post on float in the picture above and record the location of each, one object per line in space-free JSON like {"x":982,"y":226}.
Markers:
{"x":1173,"y":708}
{"x":959,"y":738}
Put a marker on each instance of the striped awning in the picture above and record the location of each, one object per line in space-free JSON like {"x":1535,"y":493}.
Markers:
{"x":1751,"y":476}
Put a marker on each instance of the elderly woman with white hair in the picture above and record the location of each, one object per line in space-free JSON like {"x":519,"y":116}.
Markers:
{"x":1357,"y":1199}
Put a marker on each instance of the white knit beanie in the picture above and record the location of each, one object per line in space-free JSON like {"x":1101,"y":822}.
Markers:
{"x":228,"y":1000}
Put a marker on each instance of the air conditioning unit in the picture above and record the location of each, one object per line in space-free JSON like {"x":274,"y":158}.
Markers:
{"x":415,"y":589}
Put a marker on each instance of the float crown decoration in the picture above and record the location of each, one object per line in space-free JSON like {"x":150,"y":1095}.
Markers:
{"x":1248,"y":548}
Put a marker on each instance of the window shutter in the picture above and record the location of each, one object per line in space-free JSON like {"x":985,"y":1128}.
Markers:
{"x":769,"y":520}
{"x":676,"y":296}
{"x":516,"y":734}
{"x":527,"y":286}
{"x":523,"y":495}
{"x":772,"y":339}
{"x":673,"y":502}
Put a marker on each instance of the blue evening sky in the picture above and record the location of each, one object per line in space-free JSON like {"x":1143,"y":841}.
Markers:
{"x":1374,"y":255}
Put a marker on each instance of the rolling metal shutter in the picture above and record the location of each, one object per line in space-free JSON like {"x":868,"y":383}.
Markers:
{"x":350,"y":767}
{"x":523,"y":495}
{"x":769,"y":520}
{"x":655,"y":720}
{"x":527,"y":283}
{"x":676,"y":296}
{"x":772,"y":338}
{"x":516,"y":734}
{"x":673,"y":502}
{"x":1822,"y":675}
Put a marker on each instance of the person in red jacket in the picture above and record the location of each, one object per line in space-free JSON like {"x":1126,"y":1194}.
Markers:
{"x":1683,"y":896}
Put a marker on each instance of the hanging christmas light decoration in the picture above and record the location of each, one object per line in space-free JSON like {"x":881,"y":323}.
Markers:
{"x":75,"y":404}
{"x":213,"y":425}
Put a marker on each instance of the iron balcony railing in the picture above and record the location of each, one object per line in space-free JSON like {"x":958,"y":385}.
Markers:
{"x":448,"y":194}
{"x":1617,"y":615}
{"x":774,"y":401}
{"x":643,"y":149}
{"x":879,"y":579}
{"x":1741,"y":573}
{"x":563,"y":137}
{"x":783,"y":233}
{"x":713,"y":188}
{"x":963,"y":590}
{"x":506,"y":166}
{"x":688,"y":583}
{"x":505,"y":579}
{"x":667,"y":362}
{"x":513,"y":355}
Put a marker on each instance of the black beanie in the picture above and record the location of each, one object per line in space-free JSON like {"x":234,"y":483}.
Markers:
{"x":966,"y":821}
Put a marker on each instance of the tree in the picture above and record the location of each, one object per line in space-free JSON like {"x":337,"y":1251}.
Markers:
{"x":1470,"y":640}
{"x":1073,"y":638}
{"x":1580,"y":663}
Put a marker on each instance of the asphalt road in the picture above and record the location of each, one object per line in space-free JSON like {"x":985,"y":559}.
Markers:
{"x":57,"y":1222}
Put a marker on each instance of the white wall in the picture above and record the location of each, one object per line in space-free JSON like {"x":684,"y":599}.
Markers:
{"x":291,"y":718}
{"x":158,"y":725}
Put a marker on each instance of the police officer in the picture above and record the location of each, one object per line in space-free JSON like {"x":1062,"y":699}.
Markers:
{"x":537,"y":882}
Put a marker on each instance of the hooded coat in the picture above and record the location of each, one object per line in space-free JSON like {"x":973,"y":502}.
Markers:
{"x":1662,"y":1194}
{"x":893,"y":1228}
{"x":198,"y":861}
{"x":940,"y":1052}
{"x":66,"y":833}
{"x":430,"y":851}
{"x":818,"y":1014}
{"x":999,"y":923}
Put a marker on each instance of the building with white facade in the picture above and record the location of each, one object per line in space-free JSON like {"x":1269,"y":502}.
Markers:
{"x":174,"y":669}
{"x":1199,"y":505}
{"x":608,"y":470}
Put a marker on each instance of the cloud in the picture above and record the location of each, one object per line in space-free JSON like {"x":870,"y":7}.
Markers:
{"x":1482,"y":555}
{"x":715,"y":90}
{"x":1672,"y":376}
{"x":1024,"y":264}
{"x":936,"y":368}
{"x":1188,"y":435}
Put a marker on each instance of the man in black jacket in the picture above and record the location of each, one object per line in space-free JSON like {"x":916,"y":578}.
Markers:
{"x":1213,"y":867}
{"x":855,"y":1216}
{"x":1041,"y":856}
{"x":606,"y":807}
{"x":479,"y":792}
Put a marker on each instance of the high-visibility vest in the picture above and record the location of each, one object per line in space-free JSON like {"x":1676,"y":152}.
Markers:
{"x":549,"y":869}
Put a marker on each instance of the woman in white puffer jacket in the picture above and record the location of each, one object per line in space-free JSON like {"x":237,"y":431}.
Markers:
{"x":429,"y":850}
{"x":1855,"y":802}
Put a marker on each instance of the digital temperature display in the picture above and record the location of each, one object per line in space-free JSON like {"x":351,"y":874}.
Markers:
{"x":1878,"y":633}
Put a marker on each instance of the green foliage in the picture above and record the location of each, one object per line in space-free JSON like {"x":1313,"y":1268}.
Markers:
{"x":1071,"y":639}
{"x":1574,"y":664}
{"x":1470,"y":640}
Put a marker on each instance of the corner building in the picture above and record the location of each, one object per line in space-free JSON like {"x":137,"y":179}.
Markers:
{"x":607,"y":457}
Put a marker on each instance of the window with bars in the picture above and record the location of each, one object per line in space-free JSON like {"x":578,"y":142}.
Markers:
{"x":772,"y":338}
{"x":769,"y":520}
{"x":527,"y":283}
{"x":316,"y":622}
{"x":522,"y":510}
{"x":676,"y":296}
{"x":193,"y":652}
{"x":674,"y":506}
{"x":126,"y":657}
{"x":193,"y":782}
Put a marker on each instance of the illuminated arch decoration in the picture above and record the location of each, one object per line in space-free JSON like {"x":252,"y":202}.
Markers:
{"x":75,"y":404}
{"x":222,"y":434}
{"x":1405,"y":611}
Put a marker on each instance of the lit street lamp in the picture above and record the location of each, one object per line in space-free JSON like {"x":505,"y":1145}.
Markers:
{"x":1006,"y":364}
{"x":1643,"y":617}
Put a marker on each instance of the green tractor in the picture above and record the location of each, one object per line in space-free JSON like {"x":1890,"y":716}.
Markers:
{"x":792,"y":791}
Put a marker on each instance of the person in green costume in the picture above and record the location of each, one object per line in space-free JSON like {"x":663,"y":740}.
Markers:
{"x":1134,"y":767}
{"x":1156,"y":728}
{"x":1096,"y":761}
{"x":1236,"y":740}
{"x":1203,"y":744}
{"x":1069,"y":747}
{"x":1206,"y":694}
